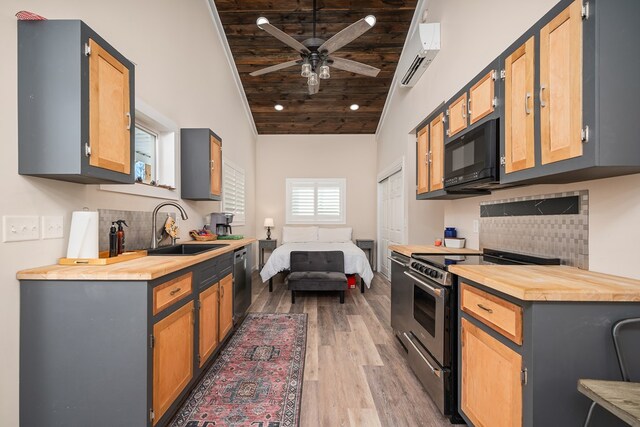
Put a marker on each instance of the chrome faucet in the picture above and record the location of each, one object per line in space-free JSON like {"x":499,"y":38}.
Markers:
{"x":155,"y":239}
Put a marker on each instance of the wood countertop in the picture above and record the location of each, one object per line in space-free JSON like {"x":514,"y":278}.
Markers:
{"x":407,"y":250}
{"x":551,"y":283}
{"x":146,"y":268}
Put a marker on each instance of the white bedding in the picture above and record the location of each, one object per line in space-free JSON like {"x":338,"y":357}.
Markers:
{"x":355,"y":260}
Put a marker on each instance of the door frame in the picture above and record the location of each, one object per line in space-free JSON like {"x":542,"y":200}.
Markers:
{"x":393,"y":168}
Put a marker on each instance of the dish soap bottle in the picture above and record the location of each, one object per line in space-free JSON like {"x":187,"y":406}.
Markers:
{"x":120,"y":235}
{"x":113,"y":241}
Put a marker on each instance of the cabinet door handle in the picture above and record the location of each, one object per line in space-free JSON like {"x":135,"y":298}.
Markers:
{"x":430,"y":157}
{"x":175,"y":291}
{"x":128,"y":121}
{"x":426,"y":157}
{"x":542,"y":103}
{"x":469,"y":107}
{"x":527,"y":97}
{"x":490,"y":311}
{"x":463,"y":110}
{"x":221,"y":291}
{"x":212,"y":165}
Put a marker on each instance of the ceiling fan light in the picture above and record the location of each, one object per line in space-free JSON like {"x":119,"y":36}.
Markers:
{"x":261,"y":21}
{"x":306,"y":70}
{"x":371,"y":20}
{"x":324,"y":72}
{"x":313,"y":79}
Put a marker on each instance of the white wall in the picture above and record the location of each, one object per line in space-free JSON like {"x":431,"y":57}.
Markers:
{"x":473,"y":34}
{"x":317,"y":156}
{"x":181,"y":71}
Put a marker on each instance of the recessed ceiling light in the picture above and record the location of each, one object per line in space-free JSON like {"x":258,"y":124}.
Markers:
{"x":278,"y":107}
{"x":354,"y":107}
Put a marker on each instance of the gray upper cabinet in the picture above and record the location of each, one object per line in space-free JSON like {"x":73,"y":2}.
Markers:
{"x":201,"y":164}
{"x":75,"y":104}
{"x":569,"y":95}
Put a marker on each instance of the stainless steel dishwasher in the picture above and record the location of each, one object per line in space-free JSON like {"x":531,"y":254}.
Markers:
{"x":241,"y":284}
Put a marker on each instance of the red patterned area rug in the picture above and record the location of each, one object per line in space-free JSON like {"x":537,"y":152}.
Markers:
{"x":257,"y":379}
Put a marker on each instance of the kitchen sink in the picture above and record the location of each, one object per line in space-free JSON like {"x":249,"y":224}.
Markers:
{"x":185,"y":249}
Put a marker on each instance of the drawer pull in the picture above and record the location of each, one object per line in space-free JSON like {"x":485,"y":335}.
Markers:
{"x":485,"y":308}
{"x":175,"y":291}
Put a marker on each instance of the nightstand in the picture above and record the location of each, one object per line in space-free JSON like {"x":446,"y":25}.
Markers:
{"x":369,"y":246}
{"x":269,"y":245}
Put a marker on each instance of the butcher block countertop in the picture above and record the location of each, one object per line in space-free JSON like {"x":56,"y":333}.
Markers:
{"x":146,"y":268}
{"x":430,"y":249}
{"x":551,"y":283}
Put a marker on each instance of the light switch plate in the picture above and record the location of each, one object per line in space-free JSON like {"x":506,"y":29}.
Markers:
{"x":19,"y":228}
{"x":53,"y":227}
{"x":476,"y":226}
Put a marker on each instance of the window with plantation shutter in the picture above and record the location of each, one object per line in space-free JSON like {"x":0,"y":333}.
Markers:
{"x":316,"y":201}
{"x":233,"y":191}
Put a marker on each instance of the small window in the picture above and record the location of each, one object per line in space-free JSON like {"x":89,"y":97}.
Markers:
{"x":316,"y":201}
{"x":145,"y":160}
{"x":233,"y":191}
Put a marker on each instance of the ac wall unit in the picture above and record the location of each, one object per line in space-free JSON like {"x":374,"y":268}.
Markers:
{"x":422,"y":47}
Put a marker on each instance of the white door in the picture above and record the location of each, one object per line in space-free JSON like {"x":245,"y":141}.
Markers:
{"x":391,"y":199}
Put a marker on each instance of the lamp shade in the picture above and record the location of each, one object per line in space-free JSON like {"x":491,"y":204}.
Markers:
{"x":268,"y":222}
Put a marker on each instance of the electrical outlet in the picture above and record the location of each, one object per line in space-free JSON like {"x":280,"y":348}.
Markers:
{"x":52,"y":227}
{"x":18,"y":228}
{"x":476,"y":226}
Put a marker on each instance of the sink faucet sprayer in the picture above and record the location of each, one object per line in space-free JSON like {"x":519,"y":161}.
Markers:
{"x":155,"y":239}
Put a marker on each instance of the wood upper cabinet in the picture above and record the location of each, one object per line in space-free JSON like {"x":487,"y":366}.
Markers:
{"x":172,"y":358}
{"x":490,"y":379}
{"x":226,"y":306}
{"x":458,"y":115}
{"x":76,"y":104}
{"x":109,"y":111}
{"x":561,"y":86}
{"x":422,"y":160}
{"x":208,"y":316}
{"x":216,"y":166}
{"x":482,"y":98}
{"x":201,"y":164}
{"x":436,"y":153}
{"x":519,"y":110}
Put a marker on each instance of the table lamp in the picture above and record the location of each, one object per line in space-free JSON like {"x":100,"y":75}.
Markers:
{"x":268,"y":223}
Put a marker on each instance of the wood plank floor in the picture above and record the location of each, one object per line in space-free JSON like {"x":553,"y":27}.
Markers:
{"x":355,"y":373}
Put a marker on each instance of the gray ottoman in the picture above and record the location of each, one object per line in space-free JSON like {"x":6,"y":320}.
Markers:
{"x":317,"y":271}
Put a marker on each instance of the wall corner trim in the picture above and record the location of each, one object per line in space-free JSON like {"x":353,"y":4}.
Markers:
{"x":217,"y":23}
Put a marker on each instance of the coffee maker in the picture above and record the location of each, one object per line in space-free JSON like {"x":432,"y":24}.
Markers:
{"x":221,"y":223}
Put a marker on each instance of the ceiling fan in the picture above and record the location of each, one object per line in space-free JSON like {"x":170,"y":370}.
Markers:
{"x":316,"y":54}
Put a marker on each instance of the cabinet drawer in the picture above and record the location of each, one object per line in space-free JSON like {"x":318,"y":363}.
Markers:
{"x":171,"y":292}
{"x":500,"y":315}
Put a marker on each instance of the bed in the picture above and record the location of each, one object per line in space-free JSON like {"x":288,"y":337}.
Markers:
{"x":318,"y":239}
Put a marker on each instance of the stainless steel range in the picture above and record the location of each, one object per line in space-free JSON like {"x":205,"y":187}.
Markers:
{"x":424,"y":301}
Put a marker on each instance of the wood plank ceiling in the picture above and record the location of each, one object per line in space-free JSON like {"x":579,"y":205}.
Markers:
{"x":326,"y":112}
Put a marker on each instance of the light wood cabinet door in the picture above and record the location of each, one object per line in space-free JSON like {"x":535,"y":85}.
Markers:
{"x":226,"y":305}
{"x":458,"y":115}
{"x":172,"y":358}
{"x":216,"y":166}
{"x":423,"y":160}
{"x":490,"y":380}
{"x":436,"y":153}
{"x":208,"y":335}
{"x":519,"y":110}
{"x":482,"y":97}
{"x":561,"y":86}
{"x":109,"y":111}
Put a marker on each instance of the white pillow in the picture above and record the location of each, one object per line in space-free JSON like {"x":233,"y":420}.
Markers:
{"x":334,"y":234}
{"x":299,"y":234}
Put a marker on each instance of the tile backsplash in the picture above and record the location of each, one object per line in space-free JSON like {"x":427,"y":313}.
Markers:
{"x":552,"y":225}
{"x":138,"y":233}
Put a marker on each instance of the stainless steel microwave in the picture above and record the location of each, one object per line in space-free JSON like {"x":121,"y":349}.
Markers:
{"x":471,"y":161}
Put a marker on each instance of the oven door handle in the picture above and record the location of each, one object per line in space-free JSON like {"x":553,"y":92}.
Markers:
{"x":435,"y":371}
{"x":397,"y":262}
{"x":430,"y":289}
